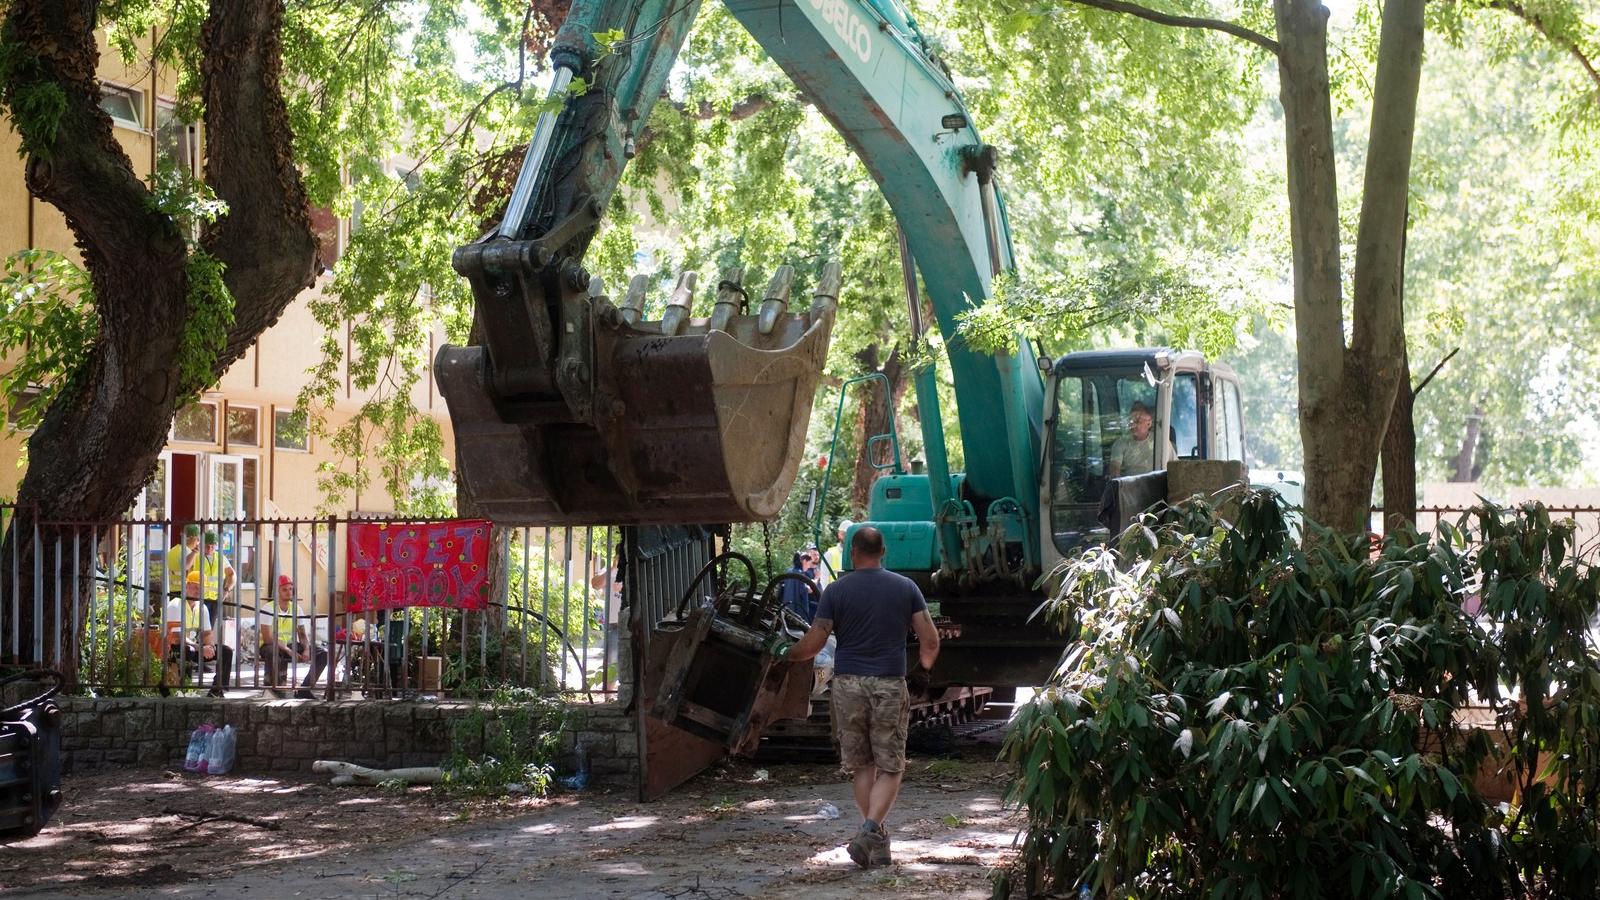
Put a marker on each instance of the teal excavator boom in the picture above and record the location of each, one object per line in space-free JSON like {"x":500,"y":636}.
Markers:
{"x":569,"y":408}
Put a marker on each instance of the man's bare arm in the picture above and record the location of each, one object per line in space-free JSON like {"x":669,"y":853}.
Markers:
{"x":927,"y":638}
{"x":815,"y":639}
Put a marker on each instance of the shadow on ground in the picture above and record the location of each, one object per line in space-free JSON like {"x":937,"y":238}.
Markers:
{"x":736,"y":832}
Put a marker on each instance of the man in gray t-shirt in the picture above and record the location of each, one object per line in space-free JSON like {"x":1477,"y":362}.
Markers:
{"x":871,"y":610}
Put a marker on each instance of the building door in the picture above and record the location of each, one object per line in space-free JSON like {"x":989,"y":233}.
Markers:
{"x":183,"y":492}
{"x":225,"y":504}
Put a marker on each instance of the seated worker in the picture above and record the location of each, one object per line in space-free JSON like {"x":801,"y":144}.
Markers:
{"x":282,"y":626}
{"x":796,"y":596}
{"x":180,"y":613}
{"x":1134,"y":453}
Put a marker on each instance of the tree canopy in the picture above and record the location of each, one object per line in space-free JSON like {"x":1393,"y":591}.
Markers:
{"x":1142,"y":175}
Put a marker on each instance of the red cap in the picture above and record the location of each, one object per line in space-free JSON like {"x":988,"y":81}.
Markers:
{"x":285,"y":584}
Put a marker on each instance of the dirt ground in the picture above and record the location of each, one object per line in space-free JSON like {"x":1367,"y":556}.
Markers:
{"x":738,"y":831}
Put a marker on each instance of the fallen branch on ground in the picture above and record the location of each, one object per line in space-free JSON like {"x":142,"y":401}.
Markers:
{"x":349,"y":773}
{"x":204,"y":817}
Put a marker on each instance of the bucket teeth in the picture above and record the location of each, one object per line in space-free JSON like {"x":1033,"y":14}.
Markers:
{"x":679,"y":304}
{"x":633,"y":302}
{"x":776,"y":302}
{"x":730,"y":298}
{"x":826,"y":297}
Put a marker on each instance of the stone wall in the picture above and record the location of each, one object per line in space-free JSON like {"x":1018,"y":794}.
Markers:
{"x":288,"y":735}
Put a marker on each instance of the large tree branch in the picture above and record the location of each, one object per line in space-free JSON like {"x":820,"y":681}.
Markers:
{"x":1378,"y":337}
{"x":1313,"y":199}
{"x":74,"y":162}
{"x":1434,"y":371}
{"x":1161,"y":18}
{"x":1564,"y":41}
{"x":265,"y":239}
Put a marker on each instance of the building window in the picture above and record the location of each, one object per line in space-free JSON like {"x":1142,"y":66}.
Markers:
{"x":291,"y":430}
{"x":176,"y":140}
{"x":244,"y":426}
{"x":125,"y":106}
{"x":252,"y":478}
{"x":23,"y":412}
{"x":196,"y":424}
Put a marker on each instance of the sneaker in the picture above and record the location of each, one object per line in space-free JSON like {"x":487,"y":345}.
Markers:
{"x":304,"y":694}
{"x":879,"y":851}
{"x":865,"y":844}
{"x":216,"y":692}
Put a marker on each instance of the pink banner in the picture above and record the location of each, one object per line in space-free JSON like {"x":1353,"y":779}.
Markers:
{"x":392,"y":566}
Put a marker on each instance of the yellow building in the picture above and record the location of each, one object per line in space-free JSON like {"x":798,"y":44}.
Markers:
{"x":241,"y":452}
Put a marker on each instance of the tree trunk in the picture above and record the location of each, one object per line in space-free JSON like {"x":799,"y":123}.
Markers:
{"x":1346,"y":392}
{"x":872,"y":418}
{"x":100,"y":438}
{"x":1400,"y":461}
{"x":1399,"y":456}
{"x":1465,"y":466}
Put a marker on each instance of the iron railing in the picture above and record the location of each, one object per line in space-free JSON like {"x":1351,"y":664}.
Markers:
{"x":552,"y":622}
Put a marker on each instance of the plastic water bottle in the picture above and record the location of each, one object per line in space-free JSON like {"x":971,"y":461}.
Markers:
{"x":579,"y":779}
{"x":197,"y":748}
{"x":223,"y":743}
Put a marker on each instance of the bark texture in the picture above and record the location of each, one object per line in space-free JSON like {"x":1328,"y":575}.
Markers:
{"x":872,"y":417}
{"x":1400,"y":461}
{"x":1347,"y":390}
{"x":99,"y":440}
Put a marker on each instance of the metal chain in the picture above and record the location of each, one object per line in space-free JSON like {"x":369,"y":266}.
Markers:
{"x":766,"y":545}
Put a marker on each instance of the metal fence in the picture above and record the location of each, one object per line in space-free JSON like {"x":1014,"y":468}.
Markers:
{"x":133,"y":607}
{"x":1586,"y":539}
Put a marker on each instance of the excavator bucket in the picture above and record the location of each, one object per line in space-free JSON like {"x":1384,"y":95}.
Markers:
{"x":649,"y":422}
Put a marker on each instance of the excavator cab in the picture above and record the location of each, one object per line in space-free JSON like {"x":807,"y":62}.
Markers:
{"x":623,"y":421}
{"x":1121,"y":413}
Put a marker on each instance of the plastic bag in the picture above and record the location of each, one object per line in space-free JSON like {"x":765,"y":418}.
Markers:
{"x":824,"y":658}
{"x":218,"y":756}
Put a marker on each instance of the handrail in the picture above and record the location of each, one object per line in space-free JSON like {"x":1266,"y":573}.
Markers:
{"x":833,"y":446}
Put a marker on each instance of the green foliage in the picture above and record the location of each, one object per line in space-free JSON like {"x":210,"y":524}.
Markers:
{"x":33,"y":101}
{"x":48,"y":325}
{"x":205,"y":331}
{"x":190,"y":205}
{"x":114,"y":656}
{"x":509,"y":739}
{"x":1067,"y":310}
{"x":379,"y":84}
{"x":1240,"y":716}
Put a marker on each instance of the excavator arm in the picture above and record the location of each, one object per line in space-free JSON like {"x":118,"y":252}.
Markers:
{"x":571,"y":409}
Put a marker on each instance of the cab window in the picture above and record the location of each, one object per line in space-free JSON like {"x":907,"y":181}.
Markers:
{"x":1093,"y":440}
{"x":1230,"y":424}
{"x":1185,"y":433}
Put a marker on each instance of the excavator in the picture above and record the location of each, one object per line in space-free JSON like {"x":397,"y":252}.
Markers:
{"x":570,"y":408}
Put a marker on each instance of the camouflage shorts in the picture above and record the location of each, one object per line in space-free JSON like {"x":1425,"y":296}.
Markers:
{"x":870,"y":715}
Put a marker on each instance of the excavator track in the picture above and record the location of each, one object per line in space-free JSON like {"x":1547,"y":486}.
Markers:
{"x":811,"y":739}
